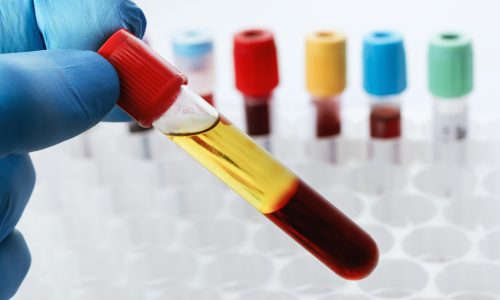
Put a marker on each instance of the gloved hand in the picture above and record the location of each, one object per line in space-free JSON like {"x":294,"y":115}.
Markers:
{"x":49,"y":96}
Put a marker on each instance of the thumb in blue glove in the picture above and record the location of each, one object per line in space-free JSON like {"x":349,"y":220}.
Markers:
{"x":52,"y":96}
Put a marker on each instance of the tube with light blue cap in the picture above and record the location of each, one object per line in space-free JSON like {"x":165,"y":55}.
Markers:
{"x":193,"y":50}
{"x":384,"y":69}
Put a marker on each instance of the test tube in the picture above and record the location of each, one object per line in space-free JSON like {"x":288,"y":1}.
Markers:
{"x":136,"y":129}
{"x":325,"y":81}
{"x":450,"y":81}
{"x":155,"y":94}
{"x":256,"y":74}
{"x":193,"y":50}
{"x":86,"y":144}
{"x":384,"y":66}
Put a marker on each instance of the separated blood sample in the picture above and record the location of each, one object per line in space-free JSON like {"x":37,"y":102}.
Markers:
{"x":325,"y":81}
{"x":155,"y":94}
{"x":384,"y":66}
{"x":256,"y":74}
{"x":193,"y":50}
{"x":450,"y":82}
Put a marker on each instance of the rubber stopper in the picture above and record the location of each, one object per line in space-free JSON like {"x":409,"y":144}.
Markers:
{"x":192,"y":43}
{"x":255,"y":62}
{"x":325,"y":63}
{"x":384,"y":63}
{"x":450,"y":65}
{"x":148,"y":84}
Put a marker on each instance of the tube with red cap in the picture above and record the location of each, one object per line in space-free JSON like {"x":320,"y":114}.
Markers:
{"x":256,"y":74}
{"x":155,"y":94}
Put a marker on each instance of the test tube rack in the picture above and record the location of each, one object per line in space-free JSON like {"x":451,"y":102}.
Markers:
{"x":105,"y":223}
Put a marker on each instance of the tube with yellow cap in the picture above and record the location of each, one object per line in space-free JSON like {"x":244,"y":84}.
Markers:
{"x":325,"y":81}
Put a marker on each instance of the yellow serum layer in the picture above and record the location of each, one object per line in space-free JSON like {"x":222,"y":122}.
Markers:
{"x":240,"y":163}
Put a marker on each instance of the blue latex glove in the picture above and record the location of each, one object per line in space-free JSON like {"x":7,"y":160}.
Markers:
{"x":49,"y":96}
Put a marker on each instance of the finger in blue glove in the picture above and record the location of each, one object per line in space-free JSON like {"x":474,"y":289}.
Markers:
{"x":15,"y":260}
{"x":18,"y":28}
{"x":49,"y":96}
{"x":86,"y":24}
{"x":30,"y":25}
{"x":17,"y":179}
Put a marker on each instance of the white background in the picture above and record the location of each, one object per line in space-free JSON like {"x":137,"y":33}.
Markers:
{"x":292,"y":20}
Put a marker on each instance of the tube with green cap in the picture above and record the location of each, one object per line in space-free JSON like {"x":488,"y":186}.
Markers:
{"x":450,"y":82}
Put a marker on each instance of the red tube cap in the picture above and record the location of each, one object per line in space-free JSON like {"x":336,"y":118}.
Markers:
{"x":255,"y":62}
{"x":148,"y":83}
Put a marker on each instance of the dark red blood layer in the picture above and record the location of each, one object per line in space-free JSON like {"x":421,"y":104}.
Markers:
{"x":327,"y":233}
{"x":258,"y":117}
{"x":327,"y":118}
{"x":385,"y":122}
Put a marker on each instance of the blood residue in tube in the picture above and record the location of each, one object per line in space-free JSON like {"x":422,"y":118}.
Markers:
{"x":385,"y":122}
{"x":258,"y":117}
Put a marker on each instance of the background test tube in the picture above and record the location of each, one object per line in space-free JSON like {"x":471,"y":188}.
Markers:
{"x":384,"y":71}
{"x":256,"y":75}
{"x":136,"y":129}
{"x":160,"y":98}
{"x":450,"y":81}
{"x":193,"y":50}
{"x":325,"y":81}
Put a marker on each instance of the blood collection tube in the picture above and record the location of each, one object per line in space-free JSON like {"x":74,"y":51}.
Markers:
{"x":142,"y":132}
{"x":256,"y":74}
{"x":450,"y":81}
{"x":384,"y":66}
{"x":136,"y":129}
{"x":325,"y":81}
{"x":155,"y":94}
{"x":194,"y":57}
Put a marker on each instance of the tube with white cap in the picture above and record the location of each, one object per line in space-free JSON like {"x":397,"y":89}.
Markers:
{"x":193,"y":50}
